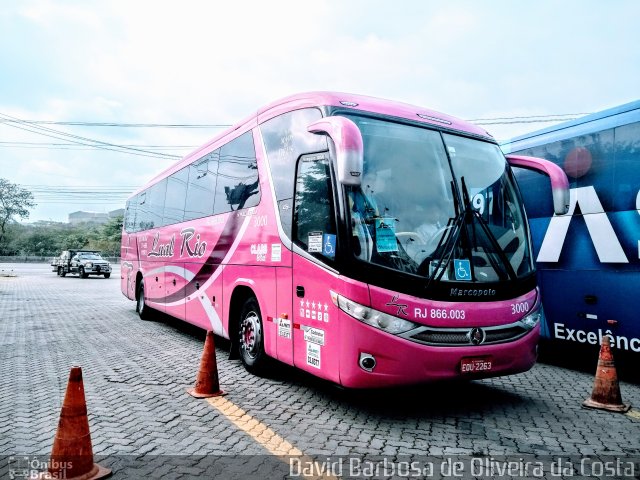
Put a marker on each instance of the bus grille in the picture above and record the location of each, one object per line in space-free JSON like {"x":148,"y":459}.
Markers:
{"x":461,"y":337}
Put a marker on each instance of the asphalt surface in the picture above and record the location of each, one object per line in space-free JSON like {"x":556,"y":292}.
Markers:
{"x":143,"y":424}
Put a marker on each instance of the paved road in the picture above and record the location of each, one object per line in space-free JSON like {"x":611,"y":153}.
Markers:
{"x":135,"y":375}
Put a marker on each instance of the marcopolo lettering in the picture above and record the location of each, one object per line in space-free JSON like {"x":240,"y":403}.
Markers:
{"x":472,"y":292}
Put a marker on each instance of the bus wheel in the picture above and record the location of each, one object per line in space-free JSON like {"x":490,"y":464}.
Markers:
{"x":143,"y":311}
{"x":251,"y":338}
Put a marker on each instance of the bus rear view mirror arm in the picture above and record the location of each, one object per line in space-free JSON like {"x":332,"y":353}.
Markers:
{"x":559,"y":181}
{"x":347,"y":139}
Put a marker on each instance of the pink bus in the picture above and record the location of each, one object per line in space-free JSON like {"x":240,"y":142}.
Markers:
{"x":369,"y":242}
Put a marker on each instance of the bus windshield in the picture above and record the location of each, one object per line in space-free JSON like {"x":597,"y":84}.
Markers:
{"x":440,"y":206}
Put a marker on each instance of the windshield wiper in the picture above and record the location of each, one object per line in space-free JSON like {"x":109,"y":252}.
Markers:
{"x":497,"y":249}
{"x":465,"y":214}
{"x":448,"y":240}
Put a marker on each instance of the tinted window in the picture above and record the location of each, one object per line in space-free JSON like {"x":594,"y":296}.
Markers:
{"x":153,"y":206}
{"x":627,"y":161}
{"x":202,"y":186}
{"x":130,"y":214}
{"x":142,"y":215}
{"x":588,"y":162}
{"x":315,"y":226}
{"x":237,"y":185}
{"x":285,"y":139}
{"x":175,"y":197}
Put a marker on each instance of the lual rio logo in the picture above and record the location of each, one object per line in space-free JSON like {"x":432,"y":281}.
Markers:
{"x":601,"y":232}
{"x":162,"y":249}
{"x":193,"y":246}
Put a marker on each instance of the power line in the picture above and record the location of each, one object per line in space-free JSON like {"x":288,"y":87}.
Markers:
{"x":80,"y":194}
{"x":74,"y":146}
{"x":58,"y":135}
{"x":125,"y":125}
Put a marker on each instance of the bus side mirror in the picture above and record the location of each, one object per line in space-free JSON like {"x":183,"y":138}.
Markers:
{"x":347,"y":139}
{"x":559,"y":181}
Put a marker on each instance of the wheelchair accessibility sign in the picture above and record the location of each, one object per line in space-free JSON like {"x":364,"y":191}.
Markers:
{"x":462,"y":269}
{"x":329,"y":245}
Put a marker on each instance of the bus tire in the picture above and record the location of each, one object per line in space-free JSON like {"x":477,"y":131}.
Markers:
{"x":144,"y":312}
{"x":251,"y":338}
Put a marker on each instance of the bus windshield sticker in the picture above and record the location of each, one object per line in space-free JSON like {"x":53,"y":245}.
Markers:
{"x":463,"y":269}
{"x":314,"y":242}
{"x":329,"y":245}
{"x":386,"y":235}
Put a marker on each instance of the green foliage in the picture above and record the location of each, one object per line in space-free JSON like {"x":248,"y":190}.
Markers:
{"x":15,"y":201}
{"x":50,"y":240}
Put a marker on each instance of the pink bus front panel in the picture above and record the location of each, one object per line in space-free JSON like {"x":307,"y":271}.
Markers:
{"x":402,"y":362}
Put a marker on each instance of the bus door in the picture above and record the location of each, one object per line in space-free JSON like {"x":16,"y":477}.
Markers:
{"x":128,"y":265}
{"x":315,"y":333}
{"x":284,"y":287}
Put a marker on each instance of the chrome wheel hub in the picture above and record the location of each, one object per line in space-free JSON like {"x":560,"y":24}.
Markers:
{"x":250,"y":334}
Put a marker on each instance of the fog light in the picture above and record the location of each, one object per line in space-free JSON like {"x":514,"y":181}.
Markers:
{"x":367,"y":362}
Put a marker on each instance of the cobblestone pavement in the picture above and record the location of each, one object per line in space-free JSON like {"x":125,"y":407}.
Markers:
{"x":135,"y":375}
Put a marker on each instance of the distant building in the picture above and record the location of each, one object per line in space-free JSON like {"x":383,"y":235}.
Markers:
{"x":93,"y":217}
{"x":87,"y":217}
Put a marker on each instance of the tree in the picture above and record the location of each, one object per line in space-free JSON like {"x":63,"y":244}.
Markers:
{"x":108,"y":237}
{"x":15,"y":201}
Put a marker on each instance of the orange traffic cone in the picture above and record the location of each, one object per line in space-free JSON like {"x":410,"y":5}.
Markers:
{"x":72,"y":453}
{"x":207,"y":384}
{"x":606,"y":391}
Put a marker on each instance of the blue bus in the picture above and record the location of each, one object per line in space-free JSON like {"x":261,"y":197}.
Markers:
{"x":589,"y":259}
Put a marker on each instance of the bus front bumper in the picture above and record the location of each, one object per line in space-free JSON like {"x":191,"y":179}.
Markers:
{"x":403,"y":362}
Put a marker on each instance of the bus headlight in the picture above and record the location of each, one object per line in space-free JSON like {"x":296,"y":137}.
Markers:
{"x":375,"y":318}
{"x":532,"y":319}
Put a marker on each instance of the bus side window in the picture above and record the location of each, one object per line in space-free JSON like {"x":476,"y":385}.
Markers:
{"x":155,"y":202}
{"x":202,"y":186}
{"x":141,"y":212}
{"x":238,"y":185}
{"x":627,"y":163}
{"x":130,"y":215}
{"x":535,"y":188}
{"x":175,"y":197}
{"x":314,"y":219}
{"x":285,"y":138}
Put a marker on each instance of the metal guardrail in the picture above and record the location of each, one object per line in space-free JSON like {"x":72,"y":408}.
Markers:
{"x":38,"y":259}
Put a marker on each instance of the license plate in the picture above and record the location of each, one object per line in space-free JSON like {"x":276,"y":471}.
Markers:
{"x":476,"y":365}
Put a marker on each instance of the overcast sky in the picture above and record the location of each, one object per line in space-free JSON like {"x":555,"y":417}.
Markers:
{"x":214,"y":62}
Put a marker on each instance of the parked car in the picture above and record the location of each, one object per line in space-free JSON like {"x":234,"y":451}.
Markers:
{"x":82,"y":263}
